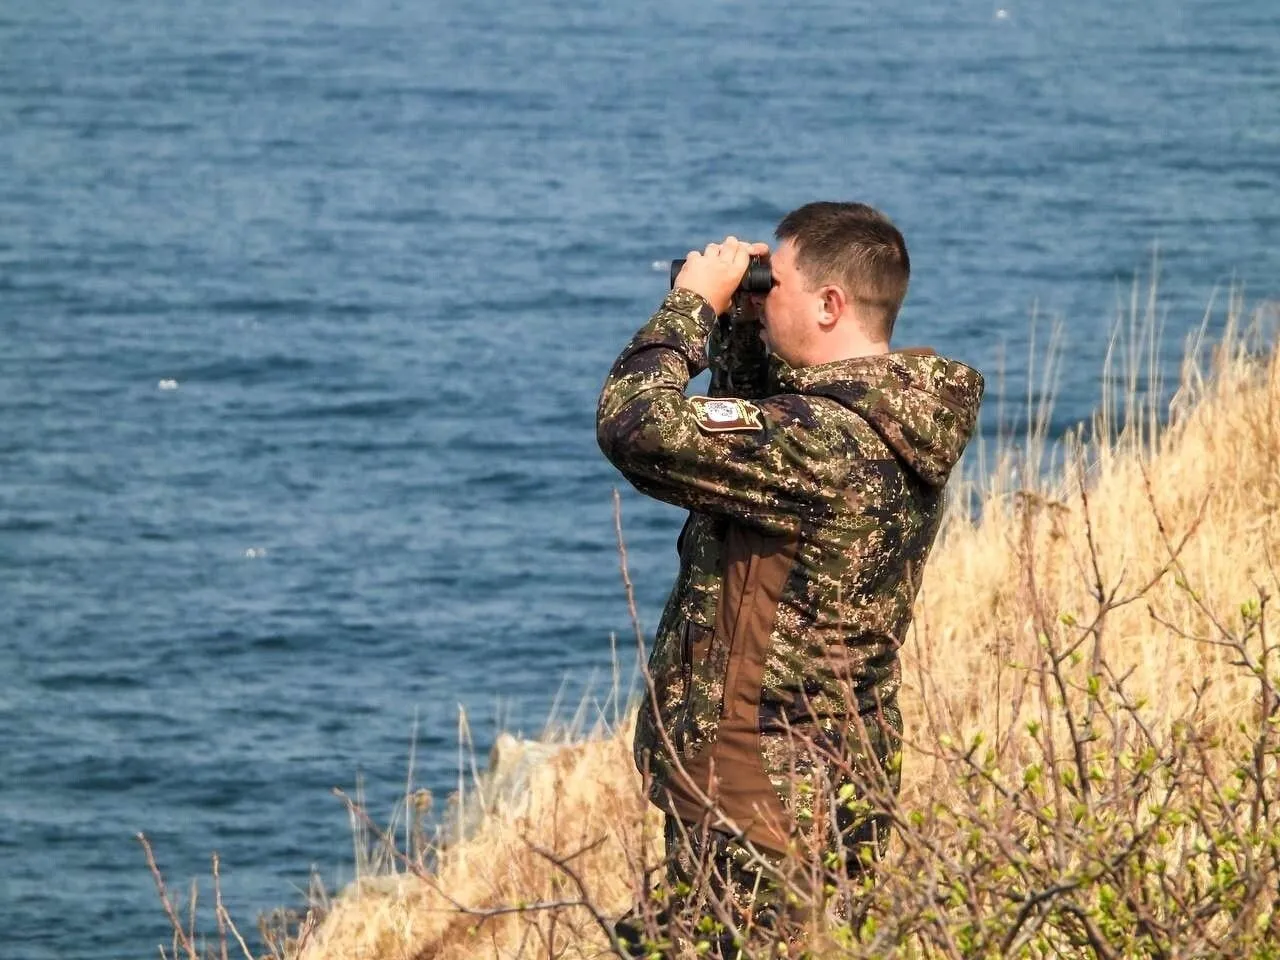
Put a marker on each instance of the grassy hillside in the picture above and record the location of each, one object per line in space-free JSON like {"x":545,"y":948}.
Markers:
{"x":1091,"y":710}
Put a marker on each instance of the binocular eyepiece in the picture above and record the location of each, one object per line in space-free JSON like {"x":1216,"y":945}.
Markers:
{"x":757,"y":279}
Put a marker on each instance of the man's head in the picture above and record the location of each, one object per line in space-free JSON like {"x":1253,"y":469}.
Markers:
{"x":840,"y":274}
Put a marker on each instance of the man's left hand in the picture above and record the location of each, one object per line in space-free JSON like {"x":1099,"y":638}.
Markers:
{"x":715,"y":273}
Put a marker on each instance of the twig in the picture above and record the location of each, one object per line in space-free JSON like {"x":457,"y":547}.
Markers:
{"x":218,"y":911}
{"x":562,"y":864}
{"x":224,"y":918}
{"x":164,"y":899}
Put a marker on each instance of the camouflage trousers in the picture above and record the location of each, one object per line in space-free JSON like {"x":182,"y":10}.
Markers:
{"x":719,"y":896}
{"x":729,"y":900}
{"x":732,"y":896}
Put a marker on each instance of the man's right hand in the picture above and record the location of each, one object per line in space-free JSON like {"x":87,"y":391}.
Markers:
{"x":715,"y":273}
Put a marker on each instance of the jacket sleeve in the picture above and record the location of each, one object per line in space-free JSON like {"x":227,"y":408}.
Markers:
{"x":782,"y":464}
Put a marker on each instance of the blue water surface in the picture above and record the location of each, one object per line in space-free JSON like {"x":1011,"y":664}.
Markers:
{"x":304,"y":308}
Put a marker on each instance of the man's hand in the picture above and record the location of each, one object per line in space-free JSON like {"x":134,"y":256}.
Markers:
{"x":716,"y":272}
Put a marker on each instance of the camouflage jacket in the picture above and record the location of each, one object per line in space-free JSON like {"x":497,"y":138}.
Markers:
{"x":815,"y":495}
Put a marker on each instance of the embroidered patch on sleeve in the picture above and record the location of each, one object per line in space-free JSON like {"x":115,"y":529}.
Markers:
{"x":725,"y":414}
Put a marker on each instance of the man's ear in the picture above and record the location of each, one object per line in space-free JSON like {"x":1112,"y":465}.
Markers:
{"x":831,"y":306}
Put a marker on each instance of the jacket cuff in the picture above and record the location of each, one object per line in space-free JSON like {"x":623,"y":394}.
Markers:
{"x":690,"y":304}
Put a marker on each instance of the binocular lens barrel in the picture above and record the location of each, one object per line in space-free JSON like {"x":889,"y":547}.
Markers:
{"x":757,"y":279}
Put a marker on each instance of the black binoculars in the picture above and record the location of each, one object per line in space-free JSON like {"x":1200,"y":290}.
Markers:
{"x":757,"y":279}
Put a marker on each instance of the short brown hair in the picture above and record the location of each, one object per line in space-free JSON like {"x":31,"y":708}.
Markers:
{"x":855,"y":246}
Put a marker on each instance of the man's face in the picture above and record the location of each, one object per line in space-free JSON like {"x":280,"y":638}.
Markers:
{"x":791,"y":309}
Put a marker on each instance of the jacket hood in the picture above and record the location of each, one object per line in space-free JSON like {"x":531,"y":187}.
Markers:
{"x":923,"y":406}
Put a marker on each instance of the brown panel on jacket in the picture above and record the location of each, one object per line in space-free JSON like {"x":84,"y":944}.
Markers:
{"x":731,"y":772}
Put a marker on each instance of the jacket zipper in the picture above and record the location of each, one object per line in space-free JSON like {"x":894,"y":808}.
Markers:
{"x":733,"y":665}
{"x":678,"y":737}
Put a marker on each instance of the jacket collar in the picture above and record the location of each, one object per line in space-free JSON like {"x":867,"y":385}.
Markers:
{"x":805,"y":379}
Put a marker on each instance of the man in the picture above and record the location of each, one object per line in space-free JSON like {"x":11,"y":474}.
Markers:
{"x":815,"y":490}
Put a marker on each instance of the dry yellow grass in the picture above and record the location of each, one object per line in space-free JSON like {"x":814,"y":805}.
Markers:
{"x":1036,"y":564}
{"x":1211,"y":477}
